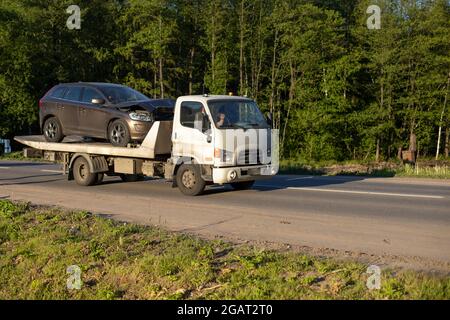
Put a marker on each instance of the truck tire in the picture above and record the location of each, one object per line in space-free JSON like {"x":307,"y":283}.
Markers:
{"x":189,"y":180}
{"x":82,"y":174}
{"x":243,"y":185}
{"x":52,"y":130}
{"x":119,"y":133}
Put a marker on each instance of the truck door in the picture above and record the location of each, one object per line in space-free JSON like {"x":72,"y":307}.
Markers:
{"x":192,"y":135}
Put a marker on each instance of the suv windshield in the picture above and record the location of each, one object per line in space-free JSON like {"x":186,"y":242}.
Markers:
{"x":117,"y":94}
{"x":243,"y":114}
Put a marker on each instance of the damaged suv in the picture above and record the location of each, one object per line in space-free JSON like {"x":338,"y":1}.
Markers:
{"x":104,"y":111}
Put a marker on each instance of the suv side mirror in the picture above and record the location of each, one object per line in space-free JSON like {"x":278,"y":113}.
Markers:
{"x":98,"y":101}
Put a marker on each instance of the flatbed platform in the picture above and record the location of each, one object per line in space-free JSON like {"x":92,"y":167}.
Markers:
{"x":157,"y":142}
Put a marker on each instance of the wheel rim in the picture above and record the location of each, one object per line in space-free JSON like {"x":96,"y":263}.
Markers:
{"x":82,"y":171}
{"x":118,"y":133}
{"x":51,"y":130}
{"x":188,"y":179}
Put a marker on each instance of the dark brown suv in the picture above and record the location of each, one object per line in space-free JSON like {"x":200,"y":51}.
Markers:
{"x":106,"y":111}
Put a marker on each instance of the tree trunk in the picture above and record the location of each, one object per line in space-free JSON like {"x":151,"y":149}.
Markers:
{"x":241,"y":48}
{"x":161,"y":77}
{"x":155,"y":79}
{"x":274,"y":61}
{"x":291,"y":101}
{"x":447,"y":141}
{"x":377,"y":156}
{"x":438,"y":149}
{"x":191,"y":70}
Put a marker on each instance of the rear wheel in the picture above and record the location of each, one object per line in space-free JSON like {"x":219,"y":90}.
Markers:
{"x":119,"y":134}
{"x":52,"y":130}
{"x":190,"y":181}
{"x":82,"y":174}
{"x":243,"y":185}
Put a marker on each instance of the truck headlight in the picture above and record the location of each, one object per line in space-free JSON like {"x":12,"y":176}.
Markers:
{"x":223,"y":155}
{"x":141,"y":116}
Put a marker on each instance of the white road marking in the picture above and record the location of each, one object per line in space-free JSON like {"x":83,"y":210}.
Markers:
{"x":302,"y":178}
{"x":5,"y":168}
{"x":405,"y":195}
{"x":52,"y":171}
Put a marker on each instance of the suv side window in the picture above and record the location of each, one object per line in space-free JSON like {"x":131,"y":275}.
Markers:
{"x":188,"y":113}
{"x":89,"y":94}
{"x":58,"y":92}
{"x":73,"y":94}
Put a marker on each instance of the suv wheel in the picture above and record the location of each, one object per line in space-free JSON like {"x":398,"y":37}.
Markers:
{"x":52,"y":130}
{"x":119,"y":134}
{"x":189,"y":180}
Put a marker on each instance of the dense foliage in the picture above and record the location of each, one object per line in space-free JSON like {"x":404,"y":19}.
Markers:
{"x":337,"y":89}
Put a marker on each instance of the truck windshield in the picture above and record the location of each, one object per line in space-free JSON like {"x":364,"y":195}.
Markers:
{"x":243,"y":114}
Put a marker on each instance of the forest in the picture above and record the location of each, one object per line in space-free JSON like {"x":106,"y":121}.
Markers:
{"x":338,"y":89}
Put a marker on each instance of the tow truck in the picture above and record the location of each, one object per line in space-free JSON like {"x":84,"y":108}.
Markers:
{"x":212,"y":140}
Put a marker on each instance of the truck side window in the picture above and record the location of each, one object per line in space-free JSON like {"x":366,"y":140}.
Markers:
{"x":190,"y":113}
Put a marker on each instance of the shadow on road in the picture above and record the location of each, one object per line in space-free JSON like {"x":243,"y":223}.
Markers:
{"x":282,"y":182}
{"x":24,"y":164}
{"x":31,"y":177}
{"x":30,"y":182}
{"x":285,"y":182}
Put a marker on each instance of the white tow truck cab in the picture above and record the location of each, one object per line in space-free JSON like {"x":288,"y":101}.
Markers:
{"x":212,"y":140}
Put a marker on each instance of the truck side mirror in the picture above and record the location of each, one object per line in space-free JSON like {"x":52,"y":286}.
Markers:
{"x":270,"y":119}
{"x":206,"y":124}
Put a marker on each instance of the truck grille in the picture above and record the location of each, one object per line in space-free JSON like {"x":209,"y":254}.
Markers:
{"x":249,"y":157}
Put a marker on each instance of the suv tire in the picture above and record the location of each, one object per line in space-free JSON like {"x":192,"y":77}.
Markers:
{"x":52,"y":130}
{"x":119,"y":133}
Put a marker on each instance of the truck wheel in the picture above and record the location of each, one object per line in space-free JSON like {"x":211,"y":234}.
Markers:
{"x":243,"y":185}
{"x":189,"y":180}
{"x":131,"y":177}
{"x":52,"y":130}
{"x":119,"y":134}
{"x":82,"y":174}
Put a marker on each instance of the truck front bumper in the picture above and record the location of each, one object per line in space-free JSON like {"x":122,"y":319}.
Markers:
{"x":241,"y":174}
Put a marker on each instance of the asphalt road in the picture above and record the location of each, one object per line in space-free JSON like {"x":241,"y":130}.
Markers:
{"x":380,"y":217}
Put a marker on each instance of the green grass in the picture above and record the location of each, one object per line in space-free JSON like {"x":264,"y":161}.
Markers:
{"x":127,"y":261}
{"x":424,"y":169}
{"x":17,"y":155}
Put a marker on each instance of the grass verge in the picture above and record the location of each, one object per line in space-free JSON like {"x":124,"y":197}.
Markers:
{"x":127,"y":261}
{"x":423,"y":169}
